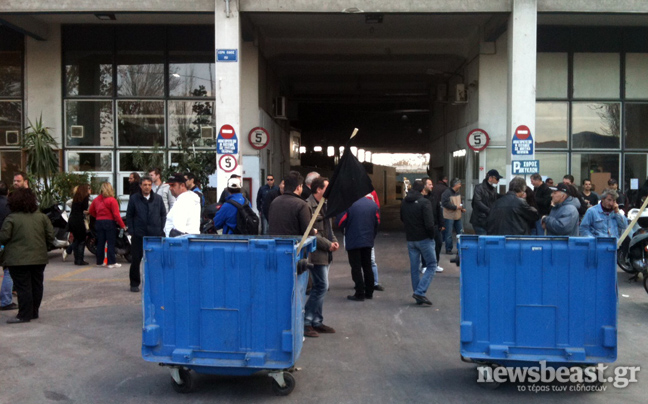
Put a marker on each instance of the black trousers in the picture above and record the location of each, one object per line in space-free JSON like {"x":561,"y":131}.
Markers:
{"x":28,"y":282}
{"x":137,"y":252}
{"x":438,"y":240}
{"x":361,"y":273}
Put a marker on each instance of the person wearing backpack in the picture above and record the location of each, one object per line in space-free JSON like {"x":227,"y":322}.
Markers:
{"x":235,"y":215}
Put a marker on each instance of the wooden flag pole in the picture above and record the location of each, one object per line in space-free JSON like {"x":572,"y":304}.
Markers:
{"x":317,"y":211}
{"x":631,"y":225}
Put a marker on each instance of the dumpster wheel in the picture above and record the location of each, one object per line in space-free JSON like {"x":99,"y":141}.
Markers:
{"x":181,"y":380}
{"x":288,"y":383}
{"x":485,"y":377}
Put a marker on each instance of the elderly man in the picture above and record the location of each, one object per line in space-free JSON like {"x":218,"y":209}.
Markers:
{"x":511,"y":214}
{"x":604,"y":219}
{"x":563,"y":217}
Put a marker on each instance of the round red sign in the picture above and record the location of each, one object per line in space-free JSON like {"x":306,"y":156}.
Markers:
{"x":259,"y":138}
{"x":522,"y":132}
{"x":227,"y":163}
{"x":227,"y":132}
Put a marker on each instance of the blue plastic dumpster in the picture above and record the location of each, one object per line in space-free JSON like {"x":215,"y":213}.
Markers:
{"x":531,"y":299}
{"x":227,"y":305}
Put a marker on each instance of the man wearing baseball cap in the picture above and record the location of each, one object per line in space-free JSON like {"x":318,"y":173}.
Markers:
{"x":484,"y":197}
{"x":184,"y":216}
{"x":563,"y":217}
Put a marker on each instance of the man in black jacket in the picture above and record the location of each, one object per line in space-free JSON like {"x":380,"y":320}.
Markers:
{"x":511,"y":214}
{"x":145,"y":216}
{"x":416,"y":213}
{"x":289,"y":214}
{"x":428,"y":192}
{"x":484,"y":197}
{"x":543,"y":199}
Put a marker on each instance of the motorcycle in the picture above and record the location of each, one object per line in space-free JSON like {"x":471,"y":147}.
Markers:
{"x":207,"y":219}
{"x":122,"y":244}
{"x":632,"y":255}
{"x":59,"y":220}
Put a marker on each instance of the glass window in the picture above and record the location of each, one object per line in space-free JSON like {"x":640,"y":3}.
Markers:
{"x":552,"y":165}
{"x":597,"y":167}
{"x":596,"y":125}
{"x":11,"y":63}
{"x":89,"y":123}
{"x":552,"y":125}
{"x":89,"y":161}
{"x":140,"y":61}
{"x":636,"y":126}
{"x":636,"y":85}
{"x":551,"y":75}
{"x":192,"y":121}
{"x":140,"y":123}
{"x":496,"y":159}
{"x":128,"y":162}
{"x":596,"y":75}
{"x":10,"y":161}
{"x":191,"y":79}
{"x":191,"y":61}
{"x":88,"y":60}
{"x":10,"y":123}
{"x":635,"y":168}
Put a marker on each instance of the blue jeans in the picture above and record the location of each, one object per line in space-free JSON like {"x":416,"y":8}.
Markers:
{"x":449,"y":225}
{"x":5,"y":290}
{"x":313,"y":311}
{"x":264,"y":225}
{"x":480,"y":231}
{"x":374,"y":267}
{"x":106,"y":234}
{"x":538,"y":228}
{"x":416,"y":249}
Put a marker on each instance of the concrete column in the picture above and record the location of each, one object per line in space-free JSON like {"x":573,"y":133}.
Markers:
{"x":522,"y":43}
{"x":228,"y":81}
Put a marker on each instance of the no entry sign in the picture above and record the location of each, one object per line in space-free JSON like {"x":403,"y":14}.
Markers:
{"x":522,"y":141}
{"x":227,"y":142}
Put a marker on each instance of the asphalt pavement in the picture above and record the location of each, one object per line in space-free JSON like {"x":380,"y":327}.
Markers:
{"x":85,"y":348}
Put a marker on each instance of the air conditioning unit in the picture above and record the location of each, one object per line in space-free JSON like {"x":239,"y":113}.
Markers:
{"x":207,"y":132}
{"x":76,"y":132}
{"x":12,"y":138}
{"x":280,"y":108}
{"x":460,"y":94}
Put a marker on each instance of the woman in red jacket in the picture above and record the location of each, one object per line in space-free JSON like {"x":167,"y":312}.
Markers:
{"x":105,"y":209}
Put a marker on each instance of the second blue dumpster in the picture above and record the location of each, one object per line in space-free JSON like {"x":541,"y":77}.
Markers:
{"x":531,"y":299}
{"x":228,"y":305}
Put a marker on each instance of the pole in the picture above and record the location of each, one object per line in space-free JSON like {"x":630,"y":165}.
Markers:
{"x":317,"y":211}
{"x":631,"y":225}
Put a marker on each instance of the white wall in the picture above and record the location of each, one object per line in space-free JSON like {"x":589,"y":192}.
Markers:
{"x":493,"y":79}
{"x":43,"y":82}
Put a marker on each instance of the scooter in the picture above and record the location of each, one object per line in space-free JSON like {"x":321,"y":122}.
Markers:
{"x":632,"y":255}
{"x":59,"y":220}
{"x":122,"y":244}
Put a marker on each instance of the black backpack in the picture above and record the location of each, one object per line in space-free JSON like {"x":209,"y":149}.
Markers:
{"x":247,"y":222}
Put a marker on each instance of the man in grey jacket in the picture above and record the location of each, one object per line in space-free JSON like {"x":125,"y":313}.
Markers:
{"x":563,"y":218}
{"x":320,"y":258}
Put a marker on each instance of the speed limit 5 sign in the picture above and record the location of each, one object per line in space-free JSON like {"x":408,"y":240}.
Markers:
{"x":259,"y":138}
{"x":477,"y":139}
{"x":227,"y":163}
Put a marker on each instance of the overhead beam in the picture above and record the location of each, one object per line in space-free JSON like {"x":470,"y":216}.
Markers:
{"x":112,"y":6}
{"x":26,"y":25}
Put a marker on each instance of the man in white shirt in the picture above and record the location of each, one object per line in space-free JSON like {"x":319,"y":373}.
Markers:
{"x":162,"y":189}
{"x":184,"y":216}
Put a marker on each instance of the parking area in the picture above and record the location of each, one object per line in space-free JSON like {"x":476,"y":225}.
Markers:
{"x":85,"y":348}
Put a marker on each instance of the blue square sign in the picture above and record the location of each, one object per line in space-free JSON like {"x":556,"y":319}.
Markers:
{"x":227,"y":55}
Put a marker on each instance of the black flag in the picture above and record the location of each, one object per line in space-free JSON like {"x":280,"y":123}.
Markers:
{"x":349,"y":183}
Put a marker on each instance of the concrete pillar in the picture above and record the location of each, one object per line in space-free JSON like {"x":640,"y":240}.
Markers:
{"x":228,"y":83}
{"x":522,"y":43}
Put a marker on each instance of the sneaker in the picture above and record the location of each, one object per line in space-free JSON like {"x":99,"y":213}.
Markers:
{"x":65,"y":254}
{"x":379,"y":288}
{"x":111,"y":266}
{"x":102,"y":265}
{"x":439,"y":269}
{"x":134,"y":289}
{"x":420,"y":299}
{"x":356,"y":298}
{"x":10,"y":306}
{"x":310,"y":332}
{"x":82,"y":263}
{"x":324,"y":329}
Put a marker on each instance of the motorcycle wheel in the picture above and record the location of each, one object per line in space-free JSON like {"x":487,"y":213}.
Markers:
{"x":645,"y":276}
{"x":622,"y":262}
{"x":91,"y":244}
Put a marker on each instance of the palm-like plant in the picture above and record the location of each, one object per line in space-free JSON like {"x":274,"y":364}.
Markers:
{"x":42,"y":161}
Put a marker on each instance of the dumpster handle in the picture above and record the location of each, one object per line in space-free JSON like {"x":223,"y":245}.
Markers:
{"x":535,"y":238}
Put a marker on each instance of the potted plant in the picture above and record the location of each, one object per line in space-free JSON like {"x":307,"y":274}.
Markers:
{"x":42,"y":160}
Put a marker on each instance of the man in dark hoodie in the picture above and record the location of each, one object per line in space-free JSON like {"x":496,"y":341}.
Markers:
{"x":542,"y":197}
{"x":416,"y":213}
{"x":484,"y":197}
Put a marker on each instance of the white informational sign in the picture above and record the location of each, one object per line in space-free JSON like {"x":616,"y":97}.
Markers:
{"x":634,"y":183}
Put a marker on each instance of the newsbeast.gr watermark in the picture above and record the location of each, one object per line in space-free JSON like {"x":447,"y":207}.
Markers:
{"x":619,"y":376}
